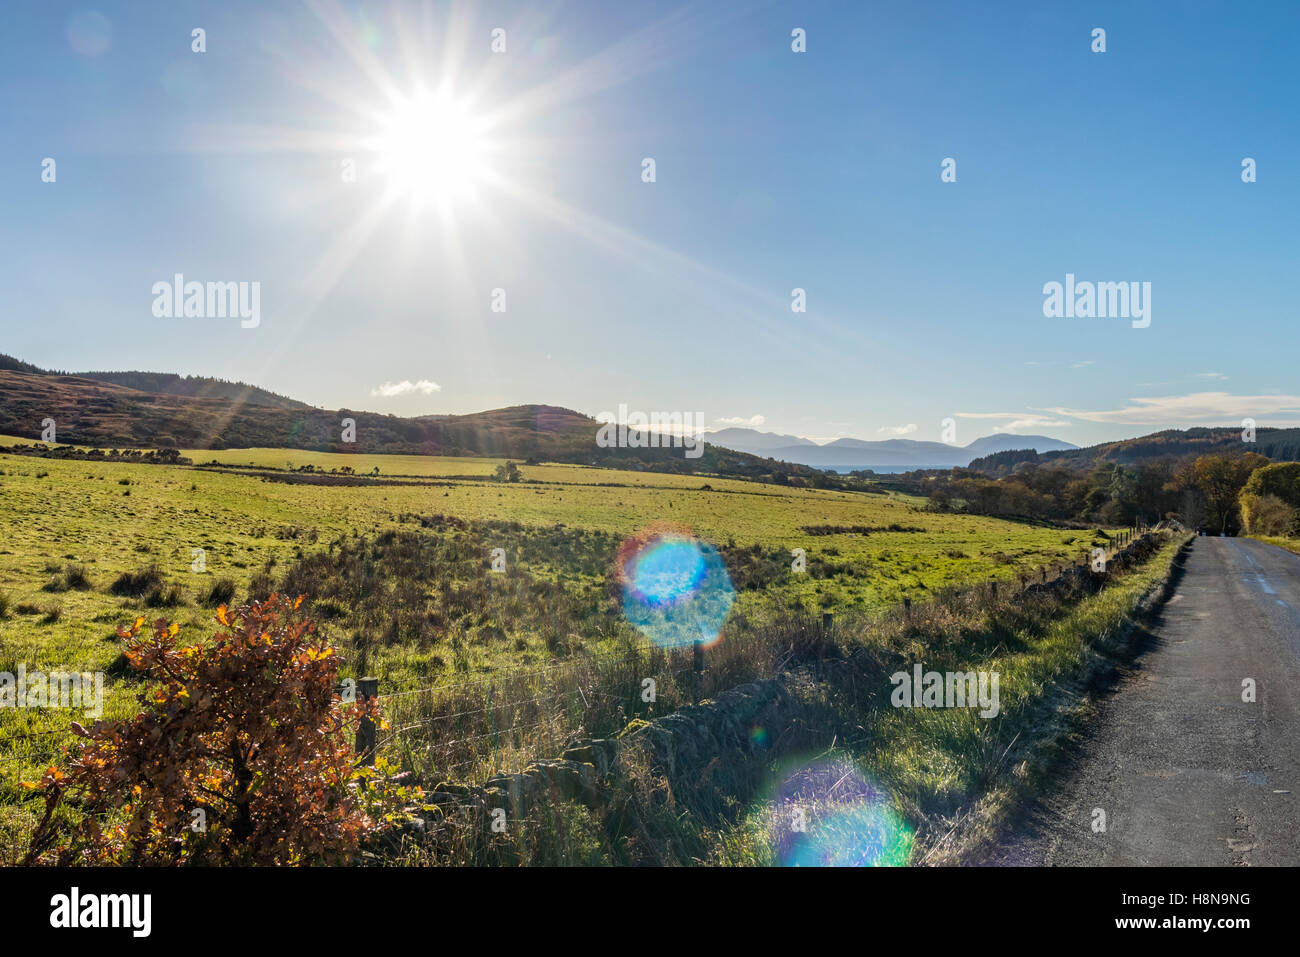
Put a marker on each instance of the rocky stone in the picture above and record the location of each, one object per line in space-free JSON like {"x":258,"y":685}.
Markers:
{"x":679,"y":745}
{"x":600,"y":753}
{"x":566,"y":780}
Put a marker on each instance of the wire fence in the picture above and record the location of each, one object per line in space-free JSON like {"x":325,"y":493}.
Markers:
{"x":490,"y":724}
{"x":502,"y":722}
{"x":484,"y":725}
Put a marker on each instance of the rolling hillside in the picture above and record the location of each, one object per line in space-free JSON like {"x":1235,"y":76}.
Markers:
{"x":169,"y":383}
{"x":95,"y":412}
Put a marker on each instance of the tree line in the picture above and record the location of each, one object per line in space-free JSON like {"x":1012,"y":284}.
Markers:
{"x":1218,"y":493}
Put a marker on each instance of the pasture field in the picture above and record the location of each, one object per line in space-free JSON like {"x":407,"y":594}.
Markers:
{"x":89,"y":545}
{"x":419,"y":466}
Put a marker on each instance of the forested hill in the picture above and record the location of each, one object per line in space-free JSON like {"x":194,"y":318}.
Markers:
{"x":169,"y":383}
{"x":1279,"y":445}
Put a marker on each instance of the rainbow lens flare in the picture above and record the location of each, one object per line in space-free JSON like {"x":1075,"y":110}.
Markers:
{"x":829,"y":814}
{"x":676,"y":589}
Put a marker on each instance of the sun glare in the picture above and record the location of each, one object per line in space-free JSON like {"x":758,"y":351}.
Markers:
{"x":432,"y":149}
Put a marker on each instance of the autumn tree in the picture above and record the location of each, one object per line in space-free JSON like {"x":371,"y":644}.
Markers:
{"x":1270,"y":500}
{"x":1220,"y":479}
{"x":240,"y":754}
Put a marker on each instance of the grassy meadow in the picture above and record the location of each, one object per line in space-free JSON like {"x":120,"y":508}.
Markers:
{"x":400,"y":572}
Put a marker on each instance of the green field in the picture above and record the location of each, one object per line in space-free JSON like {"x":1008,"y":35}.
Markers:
{"x":73,"y":528}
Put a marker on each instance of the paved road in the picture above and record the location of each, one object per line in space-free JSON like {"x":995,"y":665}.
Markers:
{"x":1188,"y":773}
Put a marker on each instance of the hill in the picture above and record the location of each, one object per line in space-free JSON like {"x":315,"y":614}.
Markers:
{"x":1280,"y":445}
{"x":169,"y":383}
{"x":752,"y":440}
{"x":93,"y":411}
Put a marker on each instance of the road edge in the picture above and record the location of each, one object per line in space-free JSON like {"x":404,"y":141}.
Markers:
{"x":1064,"y":713}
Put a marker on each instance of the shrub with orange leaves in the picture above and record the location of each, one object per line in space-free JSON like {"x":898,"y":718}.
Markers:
{"x":241,"y":754}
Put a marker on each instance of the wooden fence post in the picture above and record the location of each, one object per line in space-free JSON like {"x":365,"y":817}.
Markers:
{"x":367,"y":688}
{"x":697,"y":671}
{"x":828,"y":624}
{"x":993,"y":586}
{"x":907,"y":608}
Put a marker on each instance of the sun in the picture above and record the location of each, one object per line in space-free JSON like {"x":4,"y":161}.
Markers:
{"x":433,"y":149}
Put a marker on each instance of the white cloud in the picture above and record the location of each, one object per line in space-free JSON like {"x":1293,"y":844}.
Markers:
{"x":1019,"y":421}
{"x":1170,"y":411}
{"x":1211,"y":375}
{"x":406,"y":387}
{"x":988,"y":415}
{"x":898,"y":429}
{"x":1034,"y":423}
{"x":753,"y":421}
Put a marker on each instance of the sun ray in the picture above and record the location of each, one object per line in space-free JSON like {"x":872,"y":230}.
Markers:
{"x":320,"y":282}
{"x":435,"y":147}
{"x":807,"y":334}
{"x":333,"y":18}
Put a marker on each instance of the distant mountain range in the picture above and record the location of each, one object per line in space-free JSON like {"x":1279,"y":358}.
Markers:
{"x":751,"y":440}
{"x":887,"y":454}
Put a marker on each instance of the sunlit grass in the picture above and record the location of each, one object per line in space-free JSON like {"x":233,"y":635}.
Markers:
{"x":112,"y":518}
{"x":944,"y":766}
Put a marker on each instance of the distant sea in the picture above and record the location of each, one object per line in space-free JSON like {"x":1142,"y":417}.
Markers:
{"x":879,"y":469}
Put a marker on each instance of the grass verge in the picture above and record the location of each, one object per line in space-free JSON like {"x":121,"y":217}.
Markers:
{"x":936,"y":785}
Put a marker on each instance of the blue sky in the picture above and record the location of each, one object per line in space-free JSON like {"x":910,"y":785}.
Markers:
{"x":774,"y":170}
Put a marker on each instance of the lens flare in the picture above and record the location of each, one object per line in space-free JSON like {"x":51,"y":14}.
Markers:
{"x":676,"y":590}
{"x":829,"y":814}
{"x":371,"y":35}
{"x":90,"y":33}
